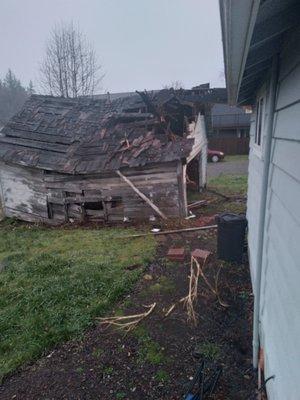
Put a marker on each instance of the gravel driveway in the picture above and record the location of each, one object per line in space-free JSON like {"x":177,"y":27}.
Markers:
{"x":238,"y":167}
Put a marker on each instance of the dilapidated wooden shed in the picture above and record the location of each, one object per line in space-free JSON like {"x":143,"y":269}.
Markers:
{"x":90,"y":159}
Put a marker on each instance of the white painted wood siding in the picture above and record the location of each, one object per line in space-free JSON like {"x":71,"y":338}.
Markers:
{"x":280,"y":289}
{"x":255,"y":184}
{"x":23,"y":192}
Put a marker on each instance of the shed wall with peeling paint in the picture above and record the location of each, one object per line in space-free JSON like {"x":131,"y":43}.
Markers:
{"x":33,"y":195}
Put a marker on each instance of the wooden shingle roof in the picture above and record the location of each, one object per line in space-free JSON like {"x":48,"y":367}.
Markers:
{"x":80,"y":136}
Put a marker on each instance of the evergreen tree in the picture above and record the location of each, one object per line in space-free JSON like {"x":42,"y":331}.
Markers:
{"x":12,"y":96}
{"x":30,"y":89}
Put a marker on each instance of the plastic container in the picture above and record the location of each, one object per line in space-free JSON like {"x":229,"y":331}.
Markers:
{"x":231,"y":236}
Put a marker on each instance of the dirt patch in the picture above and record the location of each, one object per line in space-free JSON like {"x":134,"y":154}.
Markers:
{"x":155,"y":361}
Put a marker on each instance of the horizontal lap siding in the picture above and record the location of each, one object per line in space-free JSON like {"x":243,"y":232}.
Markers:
{"x":287,"y":123}
{"x":159,"y":183}
{"x":280,"y":296}
{"x":25,"y":191}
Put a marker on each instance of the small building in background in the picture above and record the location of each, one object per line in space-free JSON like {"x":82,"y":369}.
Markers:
{"x":230,"y":129}
{"x":230,"y":121}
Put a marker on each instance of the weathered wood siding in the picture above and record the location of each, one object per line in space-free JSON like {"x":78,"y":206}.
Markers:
{"x":23,"y":193}
{"x":280,"y":293}
{"x":34,"y":195}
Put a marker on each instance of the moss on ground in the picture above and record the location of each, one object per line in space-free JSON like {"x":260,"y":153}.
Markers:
{"x":163,"y":285}
{"x":209,"y":350}
{"x":149,"y":350}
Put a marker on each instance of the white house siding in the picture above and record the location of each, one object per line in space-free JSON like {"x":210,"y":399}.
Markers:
{"x":255,"y":185}
{"x":280,"y":290}
{"x":253,"y":201}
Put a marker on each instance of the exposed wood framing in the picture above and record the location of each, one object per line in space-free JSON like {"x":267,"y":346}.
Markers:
{"x":142,"y":196}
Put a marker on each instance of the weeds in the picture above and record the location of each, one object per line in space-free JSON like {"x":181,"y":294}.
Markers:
{"x":209,"y":350}
{"x":120,"y":395}
{"x":97,"y":353}
{"x":164,"y":285}
{"x":108,"y":370}
{"x":244,"y":295}
{"x":162,"y":376}
{"x":149,"y":350}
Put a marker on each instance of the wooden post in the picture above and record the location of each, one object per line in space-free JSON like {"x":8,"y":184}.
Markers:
{"x":181,"y":179}
{"x":66,"y":207}
{"x":142,"y":196}
{"x":105,"y":210}
{"x":202,"y":159}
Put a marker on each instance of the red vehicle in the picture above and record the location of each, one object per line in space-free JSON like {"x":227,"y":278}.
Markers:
{"x":215,"y":155}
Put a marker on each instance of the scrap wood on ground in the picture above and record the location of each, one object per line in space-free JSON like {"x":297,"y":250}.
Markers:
{"x":129,"y":322}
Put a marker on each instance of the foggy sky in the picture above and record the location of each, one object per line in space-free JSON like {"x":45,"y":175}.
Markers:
{"x":141,"y":44}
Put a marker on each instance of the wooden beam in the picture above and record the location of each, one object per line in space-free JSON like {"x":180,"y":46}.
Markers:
{"x":181,"y":179}
{"x":197,"y":228}
{"x":142,"y":196}
{"x":77,"y":199}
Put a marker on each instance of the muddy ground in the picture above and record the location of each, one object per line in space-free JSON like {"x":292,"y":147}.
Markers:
{"x":157,"y":359}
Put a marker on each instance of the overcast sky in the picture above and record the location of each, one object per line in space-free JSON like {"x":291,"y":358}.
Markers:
{"x":141,"y":44}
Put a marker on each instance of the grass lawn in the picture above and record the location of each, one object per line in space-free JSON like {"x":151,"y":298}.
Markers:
{"x":238,"y":157}
{"x":229,"y":184}
{"x":54,"y":282}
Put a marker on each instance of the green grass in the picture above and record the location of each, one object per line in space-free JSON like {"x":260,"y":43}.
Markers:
{"x":54,"y":282}
{"x":238,"y":157}
{"x":229,"y":184}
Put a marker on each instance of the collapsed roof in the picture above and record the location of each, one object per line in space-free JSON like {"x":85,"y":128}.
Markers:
{"x":86,"y":135}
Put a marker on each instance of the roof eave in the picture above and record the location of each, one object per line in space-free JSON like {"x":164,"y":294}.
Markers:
{"x":237,"y":23}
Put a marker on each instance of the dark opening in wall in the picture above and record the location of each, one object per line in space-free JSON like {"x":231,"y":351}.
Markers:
{"x":116,"y":202}
{"x":95,"y":205}
{"x":49,"y":210}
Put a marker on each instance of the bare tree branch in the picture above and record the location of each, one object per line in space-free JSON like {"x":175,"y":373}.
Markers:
{"x":70,"y":67}
{"x":176,"y":85}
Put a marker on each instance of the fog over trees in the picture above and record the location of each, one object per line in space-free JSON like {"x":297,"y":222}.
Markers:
{"x":12,"y":96}
{"x":70,"y":67}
